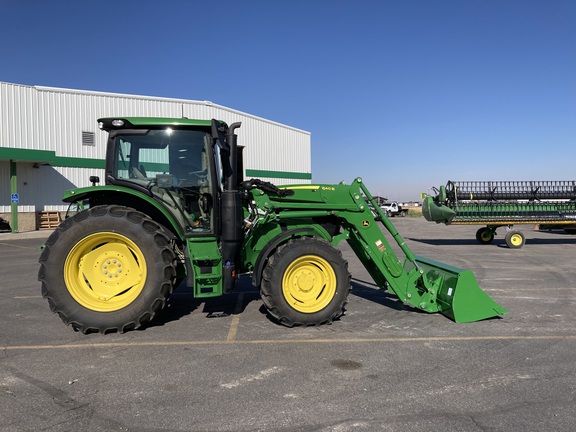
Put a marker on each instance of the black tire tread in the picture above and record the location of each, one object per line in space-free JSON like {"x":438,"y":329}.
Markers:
{"x":267,"y":287}
{"x":147,"y":225}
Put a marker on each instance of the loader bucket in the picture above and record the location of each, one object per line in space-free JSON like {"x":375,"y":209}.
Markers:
{"x":459,"y":296}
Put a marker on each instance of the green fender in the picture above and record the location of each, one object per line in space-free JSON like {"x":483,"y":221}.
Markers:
{"x":281,"y":238}
{"x":143,"y":202}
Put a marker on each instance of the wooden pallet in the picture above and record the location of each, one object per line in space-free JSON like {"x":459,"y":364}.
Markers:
{"x":49,"y":219}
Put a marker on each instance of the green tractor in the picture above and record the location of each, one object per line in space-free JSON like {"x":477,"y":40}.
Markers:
{"x":174,"y":208}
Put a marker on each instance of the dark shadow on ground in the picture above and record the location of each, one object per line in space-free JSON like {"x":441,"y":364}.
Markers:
{"x":445,"y":242}
{"x":369,"y":291}
{"x":566,"y":239}
{"x":562,"y":239}
{"x":182,"y":303}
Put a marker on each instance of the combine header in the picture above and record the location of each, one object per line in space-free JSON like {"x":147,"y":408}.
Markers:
{"x":503,"y":203}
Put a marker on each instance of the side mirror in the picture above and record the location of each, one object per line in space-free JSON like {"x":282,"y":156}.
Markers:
{"x":218,"y":136}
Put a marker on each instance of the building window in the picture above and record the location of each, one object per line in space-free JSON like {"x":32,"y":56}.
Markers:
{"x":88,"y":138}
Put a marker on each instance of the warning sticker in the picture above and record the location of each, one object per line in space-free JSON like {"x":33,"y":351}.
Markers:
{"x":380,"y":245}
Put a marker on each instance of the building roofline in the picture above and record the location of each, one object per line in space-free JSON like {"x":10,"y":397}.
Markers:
{"x":161,"y":99}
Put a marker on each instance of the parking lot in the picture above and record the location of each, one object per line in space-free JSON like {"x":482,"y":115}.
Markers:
{"x":223,"y":365}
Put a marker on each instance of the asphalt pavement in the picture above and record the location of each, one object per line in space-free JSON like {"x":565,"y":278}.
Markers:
{"x":223,"y":365}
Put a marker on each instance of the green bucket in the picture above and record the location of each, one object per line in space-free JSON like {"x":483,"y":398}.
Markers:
{"x":458,"y":295}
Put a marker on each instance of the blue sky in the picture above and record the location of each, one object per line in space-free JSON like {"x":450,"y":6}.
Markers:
{"x":406,"y":94}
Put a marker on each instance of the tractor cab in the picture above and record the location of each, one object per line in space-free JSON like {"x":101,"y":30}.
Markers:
{"x":178,"y":165}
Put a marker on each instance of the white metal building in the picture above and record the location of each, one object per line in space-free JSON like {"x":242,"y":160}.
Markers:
{"x":50,"y":142}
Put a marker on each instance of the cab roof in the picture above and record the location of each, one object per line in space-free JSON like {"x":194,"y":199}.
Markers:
{"x":114,"y":123}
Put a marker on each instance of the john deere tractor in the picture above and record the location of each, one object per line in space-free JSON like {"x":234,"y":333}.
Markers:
{"x":174,"y":208}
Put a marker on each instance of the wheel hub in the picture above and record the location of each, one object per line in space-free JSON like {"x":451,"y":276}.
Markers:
{"x":112,"y":268}
{"x":105,"y":271}
{"x":516,"y":239}
{"x":304,"y":281}
{"x":108,"y":270}
{"x":309,"y":284}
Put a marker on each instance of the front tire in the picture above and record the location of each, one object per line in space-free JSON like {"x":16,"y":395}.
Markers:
{"x":107,"y":269}
{"x":305,"y":282}
{"x":515,"y":239}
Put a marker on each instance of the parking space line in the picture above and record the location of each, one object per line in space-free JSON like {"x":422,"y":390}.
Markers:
{"x":293,"y":341}
{"x":529,"y":289}
{"x":235,"y":319}
{"x":532,"y":289}
{"x":18,"y":246}
{"x":546,"y":298}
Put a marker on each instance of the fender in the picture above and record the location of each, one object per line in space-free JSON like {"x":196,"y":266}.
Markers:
{"x":129,"y":197}
{"x":275,"y":242}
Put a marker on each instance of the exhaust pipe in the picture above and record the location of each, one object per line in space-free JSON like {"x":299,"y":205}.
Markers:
{"x":231,"y":208}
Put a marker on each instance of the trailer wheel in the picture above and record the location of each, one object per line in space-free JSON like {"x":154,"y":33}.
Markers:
{"x":515,"y":239}
{"x":306,"y":282}
{"x":107,"y":269}
{"x":484,"y":235}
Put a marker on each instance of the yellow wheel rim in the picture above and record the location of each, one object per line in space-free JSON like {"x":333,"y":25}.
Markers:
{"x":309,"y":284}
{"x":105,"y":272}
{"x":486,"y":236}
{"x":516,"y":239}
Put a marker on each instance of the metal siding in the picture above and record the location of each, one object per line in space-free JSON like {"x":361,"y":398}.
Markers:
{"x":43,"y":118}
{"x":64,"y":116}
{"x":17,"y":112}
{"x":269,"y":145}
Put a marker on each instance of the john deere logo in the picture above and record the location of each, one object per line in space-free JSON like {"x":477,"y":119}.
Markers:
{"x":366,"y":223}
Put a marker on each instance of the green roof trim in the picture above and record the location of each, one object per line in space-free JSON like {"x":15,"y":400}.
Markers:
{"x":278,"y":174}
{"x":26,"y":154}
{"x":72,"y":162}
{"x":49,"y":157}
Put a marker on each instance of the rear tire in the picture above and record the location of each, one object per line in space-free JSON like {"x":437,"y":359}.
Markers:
{"x":305,"y":282}
{"x":107,"y":269}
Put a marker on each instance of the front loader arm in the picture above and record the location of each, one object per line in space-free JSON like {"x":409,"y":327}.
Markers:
{"x":422,"y":283}
{"x":407,"y":280}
